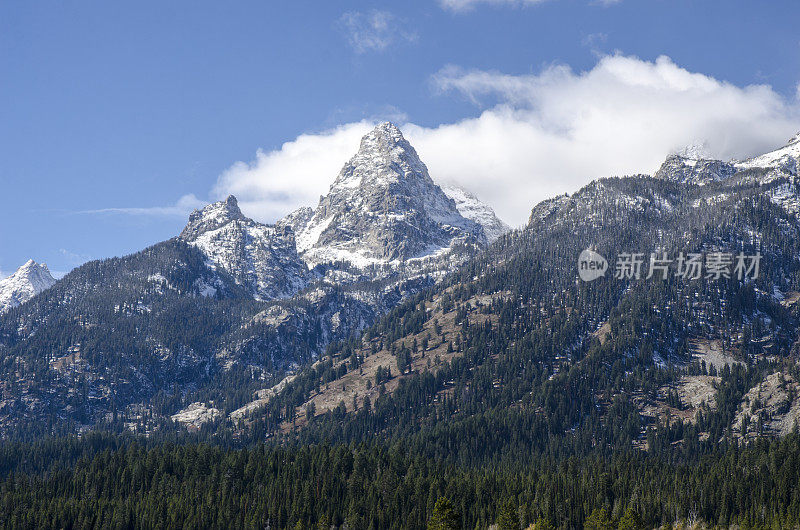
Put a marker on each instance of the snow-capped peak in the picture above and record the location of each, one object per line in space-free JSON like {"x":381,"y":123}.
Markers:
{"x":694,"y":165}
{"x":28,"y":281}
{"x":212,"y":217}
{"x":383,"y":207}
{"x":383,"y":158}
{"x":261,"y":258}
{"x":695,"y":151}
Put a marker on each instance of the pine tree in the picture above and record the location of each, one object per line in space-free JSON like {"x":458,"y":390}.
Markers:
{"x":508,"y":519}
{"x":598,"y":520}
{"x":444,"y":516}
{"x":630,"y":520}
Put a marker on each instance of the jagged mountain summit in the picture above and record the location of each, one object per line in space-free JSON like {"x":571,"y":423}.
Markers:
{"x":261,"y":258}
{"x":28,"y":281}
{"x":692,"y":166}
{"x":693,"y":169}
{"x":383,"y":208}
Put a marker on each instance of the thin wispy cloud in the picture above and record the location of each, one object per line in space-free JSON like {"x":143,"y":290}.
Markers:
{"x":364,"y":112}
{"x":74,"y":258}
{"x":467,"y":5}
{"x":374,"y":31}
{"x":182,"y":207}
{"x":539,"y":135}
{"x":595,"y":42}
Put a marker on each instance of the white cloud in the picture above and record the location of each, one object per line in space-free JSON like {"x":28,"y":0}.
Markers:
{"x":539,"y":135}
{"x":295,"y":175}
{"x":373,"y":31}
{"x":182,"y":207}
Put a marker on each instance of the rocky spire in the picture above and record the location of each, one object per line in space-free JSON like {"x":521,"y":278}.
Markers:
{"x":383,"y":206}
{"x":212,"y":217}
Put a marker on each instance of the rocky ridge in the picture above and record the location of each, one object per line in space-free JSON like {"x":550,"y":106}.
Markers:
{"x":261,"y":258}
{"x":692,"y":166}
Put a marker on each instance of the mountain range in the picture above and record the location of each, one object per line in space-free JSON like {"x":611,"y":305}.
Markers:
{"x":395,"y":357}
{"x":415,"y":303}
{"x":515,"y":350}
{"x":232,"y":297}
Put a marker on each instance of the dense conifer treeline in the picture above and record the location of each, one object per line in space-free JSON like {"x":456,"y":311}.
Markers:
{"x":110,"y":482}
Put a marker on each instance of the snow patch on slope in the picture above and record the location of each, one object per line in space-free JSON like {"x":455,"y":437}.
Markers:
{"x":472,"y":208}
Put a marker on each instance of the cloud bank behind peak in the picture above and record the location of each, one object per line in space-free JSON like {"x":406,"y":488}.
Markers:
{"x":538,"y":135}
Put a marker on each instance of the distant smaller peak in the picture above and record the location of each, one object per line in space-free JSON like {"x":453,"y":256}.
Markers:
{"x":212,"y":217}
{"x":229,"y":206}
{"x":693,"y":151}
{"x":32,"y":265}
{"x":34,"y":271}
{"x":794,"y":139}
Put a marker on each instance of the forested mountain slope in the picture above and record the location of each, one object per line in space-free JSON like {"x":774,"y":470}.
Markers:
{"x":515,"y":354}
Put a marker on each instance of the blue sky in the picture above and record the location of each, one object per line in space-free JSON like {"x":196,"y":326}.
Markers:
{"x":118,"y":118}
